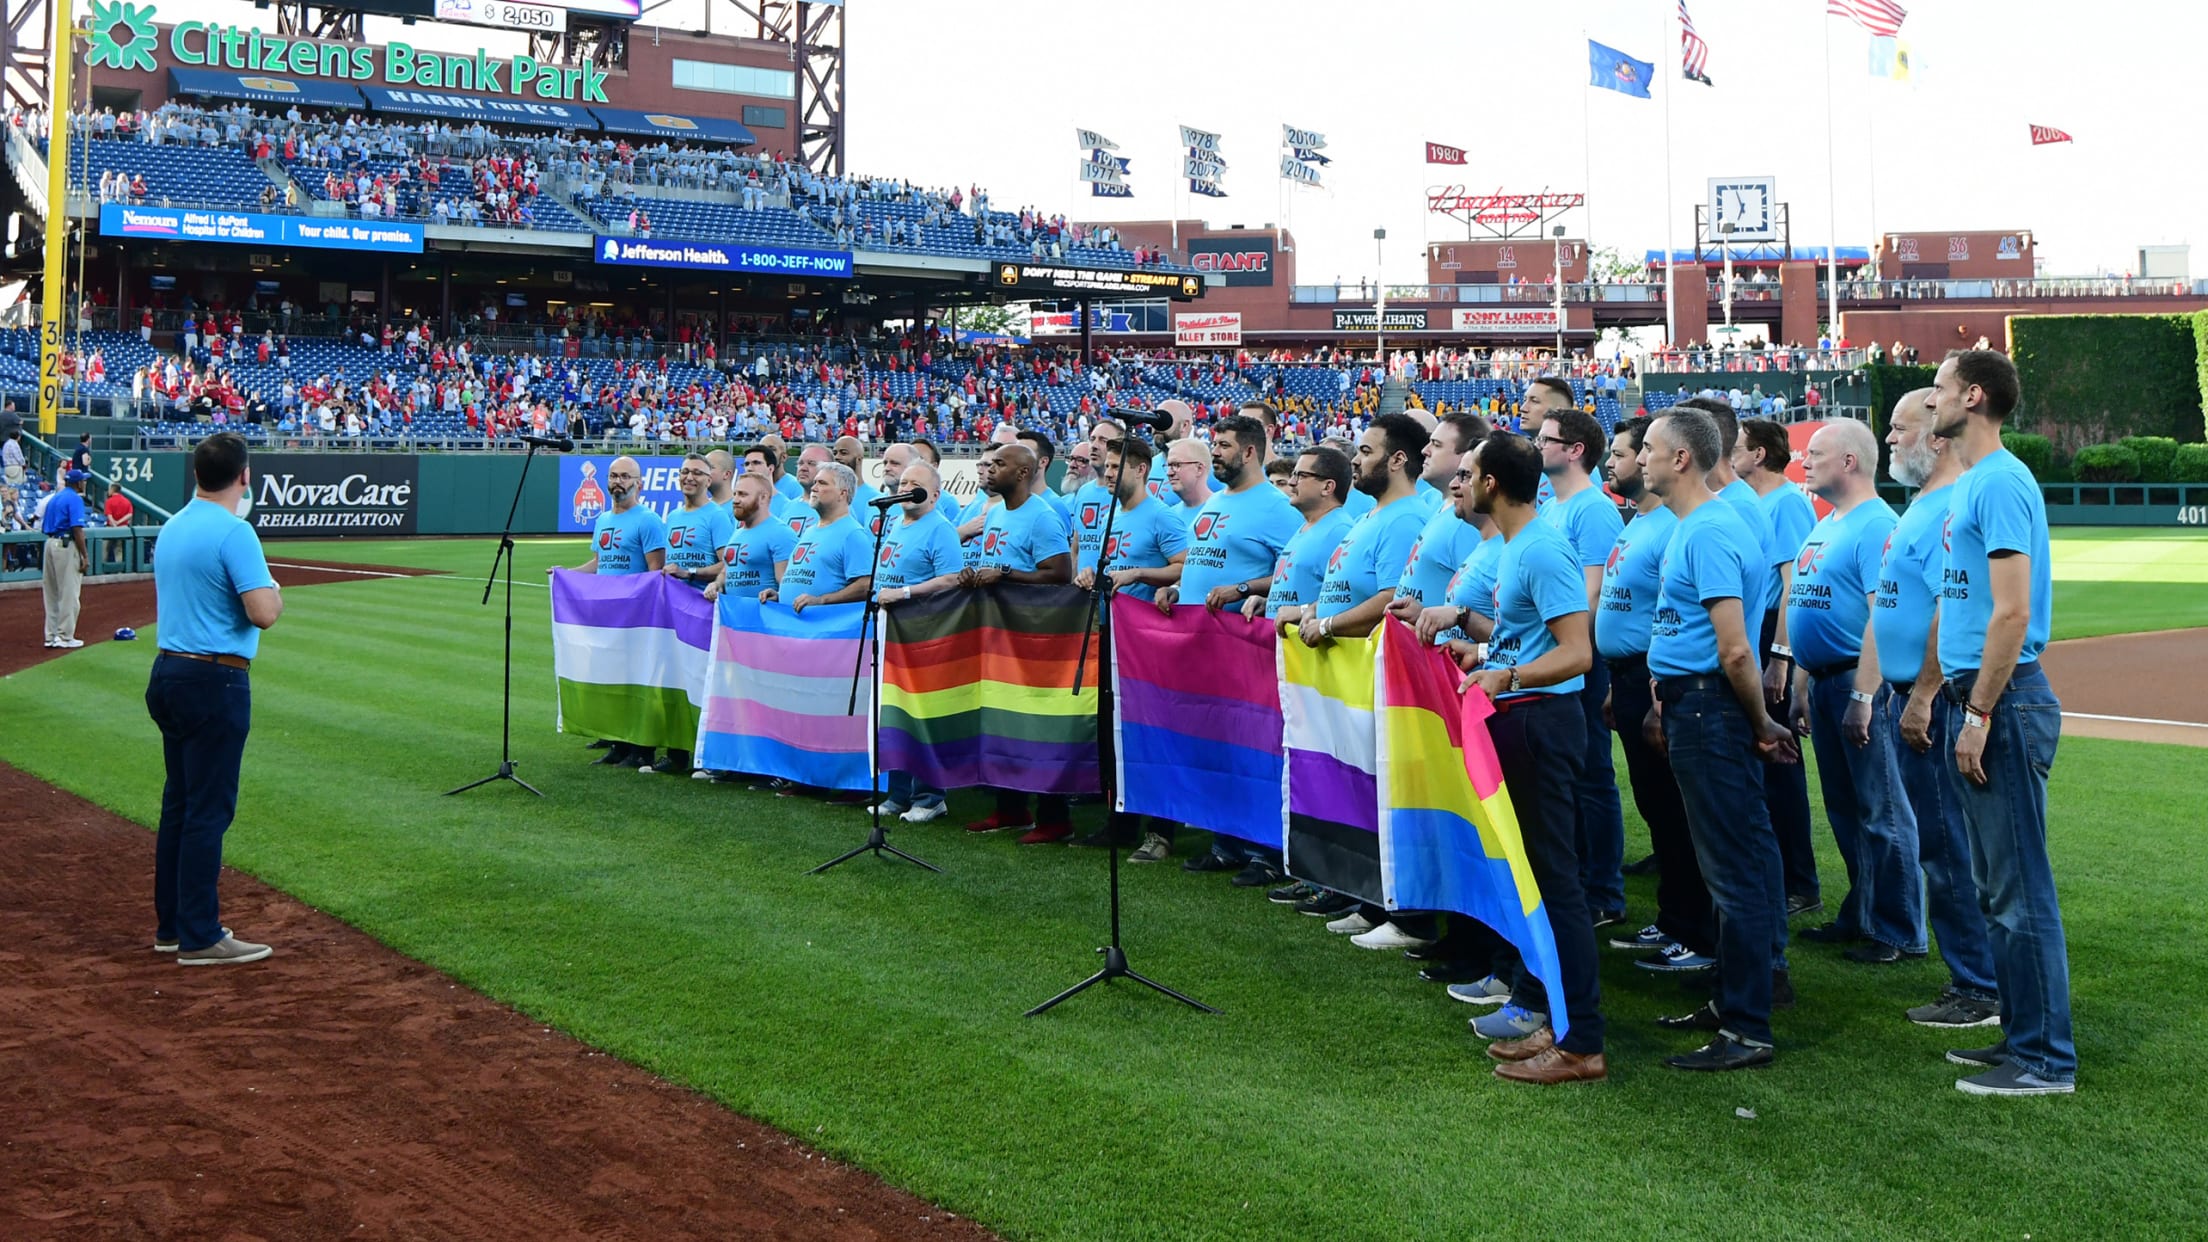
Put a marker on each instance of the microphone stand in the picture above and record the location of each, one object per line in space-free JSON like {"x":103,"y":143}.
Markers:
{"x":1115,"y":958}
{"x":506,"y":696}
{"x":877,"y":840}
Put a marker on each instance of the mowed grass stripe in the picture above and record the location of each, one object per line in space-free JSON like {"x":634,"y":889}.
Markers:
{"x":873,"y":1011}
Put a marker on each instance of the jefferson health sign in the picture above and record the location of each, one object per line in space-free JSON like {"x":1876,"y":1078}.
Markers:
{"x":724,"y":257}
{"x":251,"y":228}
{"x":334,"y":494}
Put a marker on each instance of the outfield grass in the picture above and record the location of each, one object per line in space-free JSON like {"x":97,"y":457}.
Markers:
{"x":2122,"y":580}
{"x":874,"y":1011}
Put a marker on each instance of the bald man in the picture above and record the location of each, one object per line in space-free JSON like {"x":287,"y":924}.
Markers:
{"x":1162,"y":477}
{"x":851,"y":455}
{"x":783,"y":483}
{"x":628,"y":539}
{"x":1188,"y":480}
{"x":723,"y":465}
{"x":800,"y":512}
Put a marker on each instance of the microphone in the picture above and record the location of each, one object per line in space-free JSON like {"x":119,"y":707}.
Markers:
{"x":558,"y":444}
{"x":910,"y":495}
{"x":1156,"y":420}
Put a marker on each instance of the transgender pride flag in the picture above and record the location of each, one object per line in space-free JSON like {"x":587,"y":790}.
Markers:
{"x":629,"y":652}
{"x":778,"y":695}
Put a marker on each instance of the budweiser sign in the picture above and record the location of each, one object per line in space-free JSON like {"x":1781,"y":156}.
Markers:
{"x":1498,"y":319}
{"x":1216,"y":328}
{"x":1452,"y":200}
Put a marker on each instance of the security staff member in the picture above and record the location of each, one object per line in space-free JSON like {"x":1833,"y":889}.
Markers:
{"x":66,"y":560}
{"x":214,"y":596}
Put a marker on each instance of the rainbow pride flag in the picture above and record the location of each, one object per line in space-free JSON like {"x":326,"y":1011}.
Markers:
{"x":630,"y":654}
{"x":777,"y":690}
{"x":977,"y":689}
{"x":1196,"y":723}
{"x":1329,"y":798}
{"x":1448,"y":837}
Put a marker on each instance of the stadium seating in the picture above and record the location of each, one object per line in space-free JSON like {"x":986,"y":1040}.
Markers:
{"x":213,"y":176}
{"x":709,"y":221}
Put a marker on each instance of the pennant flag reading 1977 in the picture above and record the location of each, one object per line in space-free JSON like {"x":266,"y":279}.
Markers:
{"x":630,"y":655}
{"x":778,"y":695}
{"x":1613,"y":70}
{"x":1196,"y":719}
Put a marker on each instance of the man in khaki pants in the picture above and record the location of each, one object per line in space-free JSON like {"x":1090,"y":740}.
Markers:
{"x":66,"y":560}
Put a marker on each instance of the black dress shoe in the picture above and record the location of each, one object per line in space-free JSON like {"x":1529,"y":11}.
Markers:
{"x":1646,"y":866}
{"x":1452,"y":972}
{"x":618,"y":755}
{"x":1438,"y":951}
{"x":1722,"y":1053}
{"x":1702,"y":1019}
{"x":1879,"y":953}
{"x":1208,"y":861}
{"x":1782,"y":990}
{"x":1257,"y":874}
{"x":1828,"y":933}
{"x":600,"y":744}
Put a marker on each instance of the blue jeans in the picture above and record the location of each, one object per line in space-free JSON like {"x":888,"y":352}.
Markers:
{"x":1683,"y":910}
{"x":1601,"y":817}
{"x":1871,"y":820}
{"x":1534,"y":739}
{"x":204,"y":712}
{"x":1786,"y":794}
{"x":1943,"y":848}
{"x":1721,"y":783}
{"x":902,"y":788}
{"x":2007,"y":821}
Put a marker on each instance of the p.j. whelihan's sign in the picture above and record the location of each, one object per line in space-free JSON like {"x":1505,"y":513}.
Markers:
{"x":124,"y":36}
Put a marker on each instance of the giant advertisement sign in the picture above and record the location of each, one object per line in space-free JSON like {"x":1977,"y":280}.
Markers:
{"x":1365,"y":321}
{"x":1242,"y":260}
{"x":724,"y":257}
{"x":250,"y":228}
{"x":324,"y":494}
{"x":1500,"y":319}
{"x":1220,"y":328}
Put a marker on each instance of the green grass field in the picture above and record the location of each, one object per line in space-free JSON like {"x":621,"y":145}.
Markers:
{"x":2115,"y":580}
{"x":875,"y":1011}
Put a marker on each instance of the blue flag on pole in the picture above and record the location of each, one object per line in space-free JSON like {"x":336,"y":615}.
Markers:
{"x":1613,"y":70}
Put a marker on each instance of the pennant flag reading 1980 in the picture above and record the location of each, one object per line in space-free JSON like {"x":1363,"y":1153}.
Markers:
{"x":630,"y":653}
{"x":1448,"y":837}
{"x":778,"y":695}
{"x":1196,"y":722}
{"x":976,"y":689}
{"x":1330,"y":802}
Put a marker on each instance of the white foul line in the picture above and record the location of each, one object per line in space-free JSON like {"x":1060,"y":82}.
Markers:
{"x":2181,"y":724}
{"x":332,"y":569}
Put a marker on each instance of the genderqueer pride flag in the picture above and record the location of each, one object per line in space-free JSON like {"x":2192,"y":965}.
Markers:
{"x":778,"y":695}
{"x":977,"y":689}
{"x":1329,"y":797}
{"x":1196,"y":725}
{"x":630,"y":654}
{"x":1449,"y":839}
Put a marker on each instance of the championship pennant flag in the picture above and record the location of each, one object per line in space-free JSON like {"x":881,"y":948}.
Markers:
{"x":1438,"y":153}
{"x":976,"y":689}
{"x":2044,"y":134}
{"x":630,"y":652}
{"x":1330,"y":801}
{"x":1204,"y":164}
{"x":1694,"y":54}
{"x":1880,"y":17}
{"x":1613,"y":70}
{"x":777,"y":690}
{"x":1196,"y":725}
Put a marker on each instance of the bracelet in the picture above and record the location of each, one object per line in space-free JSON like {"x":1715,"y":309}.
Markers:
{"x":1975,"y":719}
{"x":1860,"y":697}
{"x":1784,"y":653}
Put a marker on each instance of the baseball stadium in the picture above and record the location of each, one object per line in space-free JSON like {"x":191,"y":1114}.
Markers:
{"x":707,"y":652}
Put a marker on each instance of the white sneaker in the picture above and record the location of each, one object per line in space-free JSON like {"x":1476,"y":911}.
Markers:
{"x":922,"y":814}
{"x":1349,"y":924}
{"x":1154,"y":848}
{"x":67,"y":644}
{"x":702,"y":774}
{"x":50,"y":640}
{"x":1388,"y":936}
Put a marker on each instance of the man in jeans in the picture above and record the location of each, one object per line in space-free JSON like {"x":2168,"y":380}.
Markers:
{"x":1710,"y":717}
{"x":1996,"y":601}
{"x":213,"y":596}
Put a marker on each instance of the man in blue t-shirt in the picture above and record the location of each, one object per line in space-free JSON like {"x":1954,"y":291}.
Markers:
{"x":628,"y":537}
{"x":1368,"y":565}
{"x":756,"y":549}
{"x":1712,"y":720}
{"x":1091,"y":501}
{"x":1996,"y":606}
{"x":1447,"y":538}
{"x":66,"y":561}
{"x":1537,"y":660}
{"x":1320,"y":478}
{"x":1235,"y":537}
{"x":1828,"y":610}
{"x":1572,"y":445}
{"x":213,"y":596}
{"x":1901,"y":636}
{"x":1147,"y":543}
{"x":920,"y":556}
{"x":829,"y":564}
{"x":851,"y":455}
{"x":698,"y":527}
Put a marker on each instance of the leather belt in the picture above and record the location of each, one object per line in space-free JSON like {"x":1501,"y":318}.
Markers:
{"x":227,"y":661}
{"x":1903,"y":689}
{"x":1628,"y":666}
{"x":1832,"y":670}
{"x":1673,"y":689}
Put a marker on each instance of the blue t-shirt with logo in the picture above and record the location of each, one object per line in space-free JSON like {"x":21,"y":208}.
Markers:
{"x":1538,"y":579}
{"x":749,"y":555}
{"x":1473,"y":585}
{"x":790,"y":487}
{"x":1996,"y":507}
{"x":1708,"y":560}
{"x":622,"y":540}
{"x":1372,"y":557}
{"x":1023,"y":538}
{"x":1301,"y":566}
{"x":695,"y":536}
{"x":1589,"y":522}
{"x":1443,"y":543}
{"x":1091,"y":502}
{"x":1761,"y":553}
{"x":1789,"y":517}
{"x":1632,"y":579}
{"x":1909,"y":586}
{"x":1236,"y":537}
{"x":827,"y":557}
{"x":1828,"y":604}
{"x":794,"y":514}
{"x":1358,"y":503}
{"x":1162,"y":490}
{"x":915,"y":551}
{"x":209,"y":557}
{"x":1145,"y":536}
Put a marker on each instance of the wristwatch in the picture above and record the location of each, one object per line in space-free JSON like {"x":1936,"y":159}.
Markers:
{"x":1241,"y":590}
{"x":1514,"y":686}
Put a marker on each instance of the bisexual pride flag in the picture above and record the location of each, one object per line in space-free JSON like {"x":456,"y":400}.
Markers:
{"x":777,"y":698}
{"x":1196,"y":723}
{"x":630,"y":652}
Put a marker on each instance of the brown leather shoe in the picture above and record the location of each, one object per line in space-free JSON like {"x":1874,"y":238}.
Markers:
{"x":1523,"y":1049}
{"x":1554,"y":1065}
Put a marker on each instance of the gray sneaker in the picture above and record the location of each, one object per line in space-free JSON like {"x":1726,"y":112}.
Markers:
{"x":1509,"y":1022}
{"x":1954,"y":1011}
{"x":228,"y":951}
{"x":1154,"y":848}
{"x":2009,"y":1078}
{"x":171,"y":946}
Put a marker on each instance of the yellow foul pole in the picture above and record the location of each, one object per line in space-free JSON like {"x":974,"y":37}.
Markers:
{"x":57,"y":218}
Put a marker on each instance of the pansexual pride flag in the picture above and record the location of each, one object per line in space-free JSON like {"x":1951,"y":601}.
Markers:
{"x":630,"y":653}
{"x":777,"y":691}
{"x":1448,"y":837}
{"x":1196,"y":723}
{"x":977,"y":689}
{"x":1330,"y":801}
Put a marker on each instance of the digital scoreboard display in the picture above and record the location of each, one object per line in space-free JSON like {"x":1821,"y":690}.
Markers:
{"x":506,"y":14}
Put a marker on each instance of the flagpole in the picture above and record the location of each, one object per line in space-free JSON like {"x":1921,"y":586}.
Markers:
{"x":1832,"y":198}
{"x":1587,"y":162}
{"x":1870,"y":159}
{"x":1671,"y":310}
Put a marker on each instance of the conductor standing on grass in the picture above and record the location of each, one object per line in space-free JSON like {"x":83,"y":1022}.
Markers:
{"x":214,"y":596}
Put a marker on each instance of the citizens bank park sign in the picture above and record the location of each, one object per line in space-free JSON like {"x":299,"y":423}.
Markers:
{"x":1218,"y":328}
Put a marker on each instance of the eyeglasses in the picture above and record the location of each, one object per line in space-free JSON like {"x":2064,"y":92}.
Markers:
{"x":1552,"y":440}
{"x":1305,"y":474}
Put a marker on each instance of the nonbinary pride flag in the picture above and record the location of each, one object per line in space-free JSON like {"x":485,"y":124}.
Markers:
{"x":976,"y":689}
{"x":1449,"y":839}
{"x":1613,"y":70}
{"x":777,"y":691}
{"x":1196,"y":722}
{"x":629,"y":652}
{"x":1330,"y":802}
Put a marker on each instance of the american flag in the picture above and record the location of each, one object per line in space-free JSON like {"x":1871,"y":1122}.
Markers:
{"x":1880,"y":17}
{"x":1694,"y":54}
